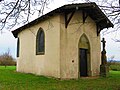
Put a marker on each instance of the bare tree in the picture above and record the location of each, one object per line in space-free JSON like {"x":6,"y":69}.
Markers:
{"x":7,"y":59}
{"x":111,"y":60}
{"x":0,"y":0}
{"x":19,"y":12}
{"x":112,"y":9}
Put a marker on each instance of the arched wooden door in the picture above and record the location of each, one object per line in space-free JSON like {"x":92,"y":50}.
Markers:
{"x":84,"y":55}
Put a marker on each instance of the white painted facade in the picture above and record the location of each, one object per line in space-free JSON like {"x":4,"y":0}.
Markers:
{"x":61,"y":58}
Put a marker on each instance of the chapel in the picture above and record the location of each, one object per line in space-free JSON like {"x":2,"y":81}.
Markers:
{"x":64,"y":43}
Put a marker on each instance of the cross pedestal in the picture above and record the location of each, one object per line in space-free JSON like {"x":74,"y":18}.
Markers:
{"x":104,"y":70}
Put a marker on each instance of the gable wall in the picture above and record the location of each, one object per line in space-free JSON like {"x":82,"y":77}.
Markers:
{"x":47,"y":64}
{"x":69,"y":46}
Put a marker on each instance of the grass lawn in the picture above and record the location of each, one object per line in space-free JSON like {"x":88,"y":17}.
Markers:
{"x":11,"y":80}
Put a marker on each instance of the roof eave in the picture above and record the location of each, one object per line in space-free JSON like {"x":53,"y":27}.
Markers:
{"x":84,"y":6}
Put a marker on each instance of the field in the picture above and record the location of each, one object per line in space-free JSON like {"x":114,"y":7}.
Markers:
{"x":12,"y":80}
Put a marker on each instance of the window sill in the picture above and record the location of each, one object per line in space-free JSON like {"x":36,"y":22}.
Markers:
{"x":40,"y":53}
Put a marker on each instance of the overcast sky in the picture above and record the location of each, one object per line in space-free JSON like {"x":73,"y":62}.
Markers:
{"x":7,"y":40}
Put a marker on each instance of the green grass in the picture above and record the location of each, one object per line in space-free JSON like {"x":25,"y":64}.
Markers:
{"x":12,"y":80}
{"x":8,"y":68}
{"x":115,"y":66}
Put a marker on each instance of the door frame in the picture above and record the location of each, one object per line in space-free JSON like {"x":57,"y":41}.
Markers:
{"x":84,"y":44}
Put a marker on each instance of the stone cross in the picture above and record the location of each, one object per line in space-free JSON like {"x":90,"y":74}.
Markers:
{"x":104,"y":68}
{"x":103,"y":42}
{"x":104,"y":59}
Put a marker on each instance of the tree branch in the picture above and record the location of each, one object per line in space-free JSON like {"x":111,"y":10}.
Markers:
{"x":22,"y":9}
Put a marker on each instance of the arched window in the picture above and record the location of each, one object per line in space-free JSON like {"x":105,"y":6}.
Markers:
{"x":18,"y":47}
{"x":40,"y":42}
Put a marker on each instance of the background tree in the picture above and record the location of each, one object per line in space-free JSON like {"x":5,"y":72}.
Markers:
{"x":6,"y":59}
{"x":111,"y":60}
{"x":19,"y":12}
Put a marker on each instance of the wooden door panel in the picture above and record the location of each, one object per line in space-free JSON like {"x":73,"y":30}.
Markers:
{"x":83,"y":62}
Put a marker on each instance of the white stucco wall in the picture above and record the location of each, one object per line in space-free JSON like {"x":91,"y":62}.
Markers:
{"x":47,"y":64}
{"x":69,"y":46}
